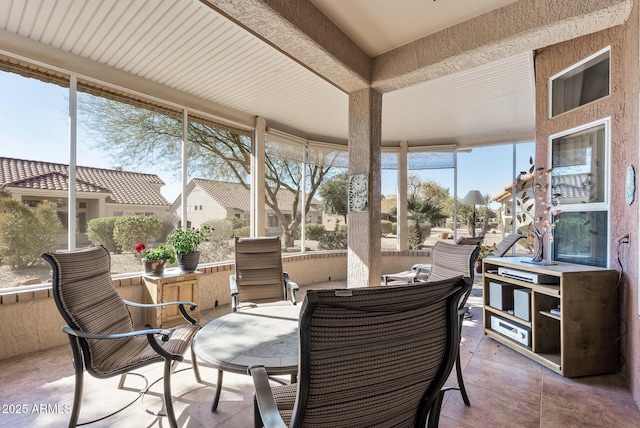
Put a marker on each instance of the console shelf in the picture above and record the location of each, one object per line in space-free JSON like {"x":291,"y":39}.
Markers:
{"x":580,"y":341}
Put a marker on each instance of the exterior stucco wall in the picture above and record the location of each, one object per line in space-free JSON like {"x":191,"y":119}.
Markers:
{"x":622,"y":107}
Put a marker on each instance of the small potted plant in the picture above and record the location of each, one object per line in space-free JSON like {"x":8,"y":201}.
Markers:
{"x":185,"y":242}
{"x":155,"y":259}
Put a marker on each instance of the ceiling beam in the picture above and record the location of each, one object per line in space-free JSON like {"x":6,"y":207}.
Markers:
{"x":524,"y":25}
{"x":305,"y":34}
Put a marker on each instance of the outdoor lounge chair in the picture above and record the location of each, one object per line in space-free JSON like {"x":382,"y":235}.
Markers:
{"x":100,"y":327}
{"x":371,"y":356}
{"x":259,"y":277}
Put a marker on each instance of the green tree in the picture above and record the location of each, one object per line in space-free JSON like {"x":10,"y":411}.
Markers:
{"x":26,"y":232}
{"x":334,"y":195}
{"x":422,"y":211}
{"x":132,"y":136}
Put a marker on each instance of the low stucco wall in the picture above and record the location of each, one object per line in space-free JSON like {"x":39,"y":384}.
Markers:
{"x":30,"y":321}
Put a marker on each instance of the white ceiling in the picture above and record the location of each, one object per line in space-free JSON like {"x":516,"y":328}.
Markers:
{"x":191,"y":52}
{"x":378,"y":26}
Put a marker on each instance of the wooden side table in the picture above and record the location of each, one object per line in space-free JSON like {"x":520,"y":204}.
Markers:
{"x":170,"y":287}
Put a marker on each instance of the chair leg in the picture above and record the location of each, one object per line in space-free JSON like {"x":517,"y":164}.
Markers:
{"x":196,"y":369}
{"x":463,"y":391}
{"x":216,"y":398}
{"x":257,"y":418}
{"x":77,"y":396}
{"x":79,"y":382}
{"x":434,"y":412}
{"x":169,"y":368}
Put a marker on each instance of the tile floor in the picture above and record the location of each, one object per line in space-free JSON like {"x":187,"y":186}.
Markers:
{"x":505,"y":388}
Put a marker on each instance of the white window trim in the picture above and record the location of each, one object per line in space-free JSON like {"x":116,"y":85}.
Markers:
{"x":568,"y":70}
{"x":598,"y":206}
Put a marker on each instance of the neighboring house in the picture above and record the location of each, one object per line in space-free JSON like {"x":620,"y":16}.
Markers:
{"x":213,"y":200}
{"x":99,"y":192}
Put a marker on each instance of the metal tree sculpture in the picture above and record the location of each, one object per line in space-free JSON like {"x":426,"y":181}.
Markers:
{"x":542,"y":213}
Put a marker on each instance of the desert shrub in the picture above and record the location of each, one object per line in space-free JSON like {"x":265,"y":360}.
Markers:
{"x":100,"y":232}
{"x":236,"y":222}
{"x":25,"y":232}
{"x":242,"y":232}
{"x":218,"y":247}
{"x":313,"y":231}
{"x":169,"y":222}
{"x":132,"y":229}
{"x":333,"y":239}
{"x":386,"y":227}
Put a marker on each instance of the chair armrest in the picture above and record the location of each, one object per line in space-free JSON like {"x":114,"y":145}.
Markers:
{"x":420,"y":268}
{"x":293,"y":287}
{"x":264,"y":398}
{"x":192,"y":307}
{"x":233,"y":286}
{"x":87,"y":335}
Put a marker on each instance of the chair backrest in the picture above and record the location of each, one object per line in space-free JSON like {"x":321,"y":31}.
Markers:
{"x":259,"y":269}
{"x":470,"y":240}
{"x":88,"y":301}
{"x":449,"y":260}
{"x":375,"y":356}
{"x":506,"y":244}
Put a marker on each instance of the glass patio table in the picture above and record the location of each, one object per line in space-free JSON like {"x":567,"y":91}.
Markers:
{"x":265,"y":335}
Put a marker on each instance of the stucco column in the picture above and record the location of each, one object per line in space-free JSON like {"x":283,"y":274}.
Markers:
{"x":365,"y":123}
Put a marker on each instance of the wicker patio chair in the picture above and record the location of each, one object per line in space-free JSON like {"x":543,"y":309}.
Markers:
{"x":470,"y":240}
{"x":506,"y":244}
{"x":100,"y":328}
{"x":259,"y":277}
{"x":371,"y":356}
{"x":447,"y":261}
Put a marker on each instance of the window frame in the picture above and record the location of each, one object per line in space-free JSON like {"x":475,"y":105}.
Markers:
{"x":571,"y":69}
{"x":603,"y":206}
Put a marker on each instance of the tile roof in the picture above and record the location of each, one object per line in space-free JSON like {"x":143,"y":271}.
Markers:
{"x":235,"y":195}
{"x":122,"y":187}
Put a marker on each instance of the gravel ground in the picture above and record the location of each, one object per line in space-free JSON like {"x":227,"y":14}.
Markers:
{"x":120,"y":263}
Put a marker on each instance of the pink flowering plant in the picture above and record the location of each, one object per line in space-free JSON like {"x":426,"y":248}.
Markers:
{"x":163,"y":252}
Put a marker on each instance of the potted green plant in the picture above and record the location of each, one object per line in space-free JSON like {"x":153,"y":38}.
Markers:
{"x":185,"y":242}
{"x":155,"y":259}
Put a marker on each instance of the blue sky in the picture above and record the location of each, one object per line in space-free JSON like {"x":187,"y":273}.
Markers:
{"x":34,"y":124}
